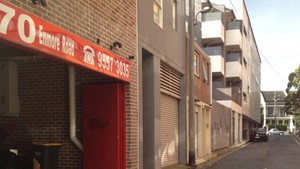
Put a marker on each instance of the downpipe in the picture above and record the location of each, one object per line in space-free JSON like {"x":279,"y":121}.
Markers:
{"x":72,"y":106}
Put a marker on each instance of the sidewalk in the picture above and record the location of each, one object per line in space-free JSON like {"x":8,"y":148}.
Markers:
{"x":297,"y":138}
{"x":215,"y":155}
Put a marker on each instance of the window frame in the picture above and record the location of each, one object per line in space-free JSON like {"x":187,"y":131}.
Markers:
{"x":196,"y":64}
{"x":158,"y":15}
{"x":205,"y":72}
{"x":174,"y":14}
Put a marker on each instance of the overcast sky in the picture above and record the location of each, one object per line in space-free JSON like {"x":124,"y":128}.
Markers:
{"x":276,"y":26}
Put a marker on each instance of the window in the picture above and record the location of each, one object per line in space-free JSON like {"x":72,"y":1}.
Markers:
{"x":270,"y":111}
{"x":208,"y":73}
{"x":174,"y":14}
{"x":244,"y":96}
{"x":282,"y":112}
{"x":245,"y":62}
{"x":205,"y":77}
{"x":157,"y":11}
{"x":196,"y":64}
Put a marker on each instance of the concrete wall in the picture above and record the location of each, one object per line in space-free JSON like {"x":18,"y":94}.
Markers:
{"x":158,"y":44}
{"x":252,"y":73}
{"x":220,"y":126}
{"x":166,"y":43}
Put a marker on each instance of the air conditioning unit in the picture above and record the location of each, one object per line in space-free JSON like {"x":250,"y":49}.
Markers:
{"x":9,"y":100}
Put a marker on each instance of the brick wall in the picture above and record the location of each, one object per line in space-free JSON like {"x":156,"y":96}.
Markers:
{"x":43,"y":83}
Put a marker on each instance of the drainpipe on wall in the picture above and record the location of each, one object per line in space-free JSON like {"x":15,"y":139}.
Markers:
{"x":73,"y":136}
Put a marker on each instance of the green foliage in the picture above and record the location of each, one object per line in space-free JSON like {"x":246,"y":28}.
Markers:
{"x":281,"y":127}
{"x":292,"y":100}
{"x":297,"y":120}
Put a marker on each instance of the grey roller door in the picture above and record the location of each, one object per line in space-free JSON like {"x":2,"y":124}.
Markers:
{"x":169,"y":130}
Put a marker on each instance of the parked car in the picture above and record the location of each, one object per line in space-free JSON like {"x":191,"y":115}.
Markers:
{"x":258,"y":134}
{"x":275,"y":131}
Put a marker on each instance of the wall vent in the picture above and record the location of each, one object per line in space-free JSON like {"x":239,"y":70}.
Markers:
{"x":170,"y":81}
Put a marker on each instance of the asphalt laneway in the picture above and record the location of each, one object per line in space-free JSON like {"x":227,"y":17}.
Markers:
{"x":280,"y":152}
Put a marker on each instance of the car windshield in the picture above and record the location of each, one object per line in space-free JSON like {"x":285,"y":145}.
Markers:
{"x":260,"y":129}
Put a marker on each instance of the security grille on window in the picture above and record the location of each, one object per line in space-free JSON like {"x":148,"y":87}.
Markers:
{"x":157,"y":10}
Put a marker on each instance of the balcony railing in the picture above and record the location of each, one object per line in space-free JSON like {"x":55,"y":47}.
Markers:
{"x":229,"y":93}
{"x":272,"y":115}
{"x":234,"y":36}
{"x":233,"y":67}
{"x":212,"y":28}
{"x":217,"y":59}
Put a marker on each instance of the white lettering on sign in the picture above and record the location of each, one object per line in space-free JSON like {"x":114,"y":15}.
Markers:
{"x":9,"y":14}
{"x":48,"y":40}
{"x":22,"y":20}
{"x":24,"y":29}
{"x":122,"y":68}
{"x":21,"y":28}
{"x":67,"y":46}
{"x":105,"y":61}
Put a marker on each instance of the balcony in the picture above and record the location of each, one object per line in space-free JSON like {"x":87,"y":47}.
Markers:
{"x":234,"y":38}
{"x":212,"y":28}
{"x":233,"y":67}
{"x":216,"y":59}
{"x":228,"y":96}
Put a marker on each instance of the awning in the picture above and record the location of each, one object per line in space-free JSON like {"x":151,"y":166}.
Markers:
{"x":24,"y":30}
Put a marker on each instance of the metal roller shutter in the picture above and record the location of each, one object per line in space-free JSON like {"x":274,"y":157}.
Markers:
{"x":169,"y":130}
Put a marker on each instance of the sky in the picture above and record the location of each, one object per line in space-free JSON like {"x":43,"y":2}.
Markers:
{"x":276,"y":27}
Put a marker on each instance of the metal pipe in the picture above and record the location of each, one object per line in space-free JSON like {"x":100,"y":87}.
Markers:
{"x":72,"y":106}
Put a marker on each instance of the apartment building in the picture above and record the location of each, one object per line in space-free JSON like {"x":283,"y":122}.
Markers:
{"x":228,"y":39}
{"x":273,"y":106}
{"x":68,"y":81}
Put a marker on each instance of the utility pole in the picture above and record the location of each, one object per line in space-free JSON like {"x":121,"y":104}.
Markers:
{"x":275,"y":114}
{"x":191,"y":111}
{"x":192,"y":155}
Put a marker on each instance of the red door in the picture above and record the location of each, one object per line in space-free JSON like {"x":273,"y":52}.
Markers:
{"x":104,"y":126}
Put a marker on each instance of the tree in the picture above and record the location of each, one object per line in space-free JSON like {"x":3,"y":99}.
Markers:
{"x":292,"y":100}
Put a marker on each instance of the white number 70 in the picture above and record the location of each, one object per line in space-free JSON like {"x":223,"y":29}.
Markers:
{"x":9,"y":14}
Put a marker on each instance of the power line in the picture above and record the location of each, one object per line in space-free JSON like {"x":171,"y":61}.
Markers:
{"x":276,"y":72}
{"x":235,"y":10}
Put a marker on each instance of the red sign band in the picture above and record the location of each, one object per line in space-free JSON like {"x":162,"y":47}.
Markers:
{"x":24,"y":29}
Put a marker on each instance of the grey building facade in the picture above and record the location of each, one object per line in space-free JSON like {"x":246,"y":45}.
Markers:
{"x":161,"y":74}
